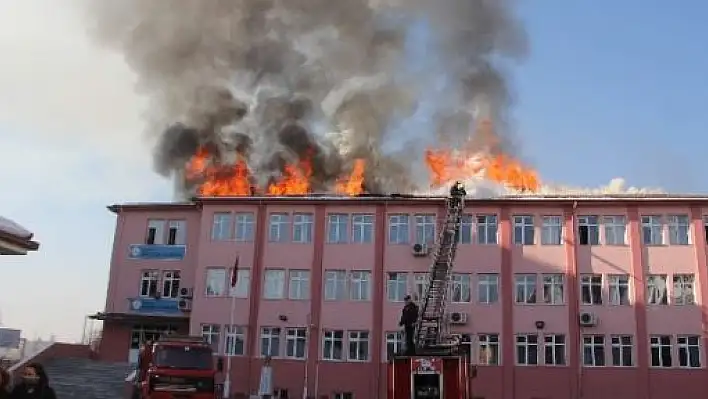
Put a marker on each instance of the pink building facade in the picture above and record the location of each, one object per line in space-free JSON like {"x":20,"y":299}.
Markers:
{"x":561,"y":298}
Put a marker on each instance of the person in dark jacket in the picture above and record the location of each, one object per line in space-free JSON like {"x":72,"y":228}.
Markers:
{"x":34,"y":384}
{"x":409,"y":316}
{"x":4,"y":384}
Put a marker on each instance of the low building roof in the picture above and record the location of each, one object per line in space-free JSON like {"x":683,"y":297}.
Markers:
{"x":15,"y":239}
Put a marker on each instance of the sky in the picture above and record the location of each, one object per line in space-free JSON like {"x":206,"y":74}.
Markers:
{"x":605,"y":92}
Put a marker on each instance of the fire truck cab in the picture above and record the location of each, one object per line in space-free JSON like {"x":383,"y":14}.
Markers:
{"x":176,"y":367}
{"x":430,"y":376}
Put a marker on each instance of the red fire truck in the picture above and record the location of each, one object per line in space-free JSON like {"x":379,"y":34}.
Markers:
{"x":440,"y":368}
{"x":176,"y":367}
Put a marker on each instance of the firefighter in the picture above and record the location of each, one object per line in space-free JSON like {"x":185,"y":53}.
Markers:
{"x":409,"y":316}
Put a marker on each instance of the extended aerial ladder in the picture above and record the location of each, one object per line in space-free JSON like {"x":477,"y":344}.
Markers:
{"x":439,"y":369}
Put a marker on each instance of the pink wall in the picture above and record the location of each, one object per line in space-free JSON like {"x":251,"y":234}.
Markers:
{"x":380,"y":316}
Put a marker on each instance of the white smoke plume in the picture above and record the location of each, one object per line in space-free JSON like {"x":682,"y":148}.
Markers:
{"x":275,"y":81}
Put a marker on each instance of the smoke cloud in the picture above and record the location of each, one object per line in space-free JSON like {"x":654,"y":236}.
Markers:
{"x":275,"y":81}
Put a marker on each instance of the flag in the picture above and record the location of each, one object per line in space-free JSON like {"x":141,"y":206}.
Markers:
{"x":234,"y":274}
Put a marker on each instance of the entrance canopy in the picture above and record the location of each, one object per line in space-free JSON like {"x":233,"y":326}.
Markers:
{"x":15,"y":239}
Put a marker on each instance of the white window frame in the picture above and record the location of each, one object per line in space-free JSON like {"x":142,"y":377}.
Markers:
{"x":360,"y":285}
{"x":243,"y":283}
{"x":302,"y":228}
{"x":524,"y":230}
{"x":170,"y":283}
{"x":149,"y":283}
{"x":655,"y":343}
{"x":591,"y":223}
{"x":466,"y":229}
{"x":460,"y":288}
{"x":334,"y":338}
{"x":211,"y":333}
{"x":618,"y":283}
{"x":620,"y":348}
{"x":299,"y":284}
{"x":488,"y":349}
{"x":221,"y":226}
{"x":420,"y":283}
{"x":555,"y":345}
{"x":615,"y":227}
{"x":596,"y":346}
{"x":270,"y":341}
{"x":362,"y":228}
{"x":296,"y":339}
{"x":487,"y":230}
{"x":338,"y":228}
{"x":244,"y":226}
{"x":274,"y":280}
{"x":679,"y":229}
{"x":488,"y":288}
{"x":690,"y":347}
{"x":593,"y":283}
{"x":180,"y":232}
{"x":399,"y":229}
{"x":396,"y":288}
{"x":159,"y":234}
{"x":359,"y":345}
{"x":394,"y":343}
{"x":425,"y":228}
{"x":525,"y":288}
{"x":657,"y":289}
{"x":652,"y":230}
{"x":553,"y":288}
{"x":215,"y":282}
{"x":527,"y":342}
{"x":552,"y":230}
{"x":278,"y":227}
{"x":233,"y":334}
{"x":684,"y":289}
{"x":335,"y":286}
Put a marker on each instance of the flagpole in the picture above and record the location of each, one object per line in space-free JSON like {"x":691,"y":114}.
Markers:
{"x":232,"y":293}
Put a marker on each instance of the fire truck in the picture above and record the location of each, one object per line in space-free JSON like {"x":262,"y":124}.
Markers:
{"x":176,"y":367}
{"x":440,"y":367}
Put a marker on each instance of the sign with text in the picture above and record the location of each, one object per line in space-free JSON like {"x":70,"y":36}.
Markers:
{"x":156,"y":306}
{"x":10,"y":338}
{"x":157,"y":252}
{"x":426,"y":365}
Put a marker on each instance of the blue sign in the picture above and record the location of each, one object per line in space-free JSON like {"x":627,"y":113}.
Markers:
{"x":157,"y":252}
{"x":156,"y":306}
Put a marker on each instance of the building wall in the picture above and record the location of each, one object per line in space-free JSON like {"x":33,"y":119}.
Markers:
{"x":378,"y":315}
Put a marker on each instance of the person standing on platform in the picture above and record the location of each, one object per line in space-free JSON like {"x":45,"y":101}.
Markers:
{"x":409,"y":316}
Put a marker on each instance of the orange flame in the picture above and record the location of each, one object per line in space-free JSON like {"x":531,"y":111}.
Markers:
{"x":354,"y":183}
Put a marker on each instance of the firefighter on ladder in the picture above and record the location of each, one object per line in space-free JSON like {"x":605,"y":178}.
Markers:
{"x":409,"y":316}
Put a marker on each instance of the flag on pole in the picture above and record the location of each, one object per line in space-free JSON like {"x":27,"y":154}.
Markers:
{"x":234,"y":274}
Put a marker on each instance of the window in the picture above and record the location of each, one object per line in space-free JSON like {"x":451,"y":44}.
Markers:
{"x":333,"y":345}
{"x":215,"y":282}
{"x":148,"y":283}
{"x":652,"y":230}
{"x":588,"y":230}
{"x":460,"y":288}
{"x":177,"y":233}
{"x":397,"y":286}
{"x":420,"y":283}
{"x":335,"y":285}
{"x":211,"y":333}
{"x":299,"y":284}
{"x":274,"y":287}
{"x":591,"y":289}
{"x":678,"y":229}
{"x":660,"y":350}
{"x":554,"y":349}
{"x":295,"y":343}
{"x":360,"y":289}
{"x":619,"y":289}
{"x":553,"y":289}
{"x":302,"y":228}
{"x":363,"y":228}
{"x":425,"y":229}
{"x":487,"y":229}
{"x":278,"y":227}
{"x":359,"y":346}
{"x":689,"y":350}
{"x":683,"y":289}
{"x":593,"y":350}
{"x":615,"y":230}
{"x":394,"y":343}
{"x":622,"y":350}
{"x":243,"y":284}
{"x":398,"y":229}
{"x":337,"y":228}
{"x":488,"y":288}
{"x":465,"y":236}
{"x":245,"y":226}
{"x":270,"y":341}
{"x":551,"y":230}
{"x":656,"y":289}
{"x":525,"y":288}
{"x":221,"y":227}
{"x":170,"y":284}
{"x":235,"y":341}
{"x":527,"y":349}
{"x":343,"y":395}
{"x":155,"y":232}
{"x":523,"y":230}
{"x":488,"y":345}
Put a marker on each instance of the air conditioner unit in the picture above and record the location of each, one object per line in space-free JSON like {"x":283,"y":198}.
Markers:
{"x":587,"y":319}
{"x":457,"y":318}
{"x":185,"y":305}
{"x":420,"y":250}
{"x":185,"y":292}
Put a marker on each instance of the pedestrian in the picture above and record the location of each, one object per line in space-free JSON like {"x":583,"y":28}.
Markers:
{"x":409,"y":317}
{"x":4,"y":384}
{"x":34,"y":384}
